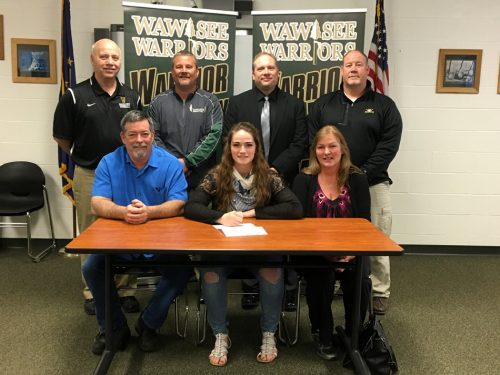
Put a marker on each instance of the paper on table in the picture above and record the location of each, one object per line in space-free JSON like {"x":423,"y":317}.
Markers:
{"x":247,"y":229}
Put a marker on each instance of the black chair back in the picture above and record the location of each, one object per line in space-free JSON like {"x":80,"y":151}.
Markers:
{"x":21,"y":188}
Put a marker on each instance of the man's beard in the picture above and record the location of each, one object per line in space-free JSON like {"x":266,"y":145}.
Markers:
{"x":140,"y":150}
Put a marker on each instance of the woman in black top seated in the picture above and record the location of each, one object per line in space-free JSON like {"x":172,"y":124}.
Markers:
{"x":242,"y":186}
{"x":331,"y":187}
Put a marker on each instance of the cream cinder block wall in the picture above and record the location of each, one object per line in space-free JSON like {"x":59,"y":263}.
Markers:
{"x":27,"y":109}
{"x":446,"y":175}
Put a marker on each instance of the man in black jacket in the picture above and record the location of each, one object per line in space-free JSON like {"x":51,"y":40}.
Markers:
{"x":372,"y":126}
{"x":286,"y":127}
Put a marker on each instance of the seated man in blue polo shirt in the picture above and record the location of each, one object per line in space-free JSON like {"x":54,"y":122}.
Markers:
{"x":137,"y":182}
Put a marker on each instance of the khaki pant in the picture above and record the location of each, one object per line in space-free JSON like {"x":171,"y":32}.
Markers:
{"x":381,"y":215}
{"x":83,"y":180}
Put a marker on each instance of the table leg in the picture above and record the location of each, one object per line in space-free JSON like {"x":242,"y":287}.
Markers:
{"x":352,"y":343}
{"x":104,"y":362}
{"x":109,"y":352}
{"x":356,"y":308}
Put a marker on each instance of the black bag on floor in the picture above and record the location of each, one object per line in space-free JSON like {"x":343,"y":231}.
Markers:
{"x":374,"y":346}
{"x":376,"y":350}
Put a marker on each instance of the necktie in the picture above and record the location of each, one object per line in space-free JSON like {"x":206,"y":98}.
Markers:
{"x":265,"y":125}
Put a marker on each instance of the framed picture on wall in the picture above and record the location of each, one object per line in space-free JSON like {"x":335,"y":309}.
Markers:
{"x":33,"y":60}
{"x":459,"y":71}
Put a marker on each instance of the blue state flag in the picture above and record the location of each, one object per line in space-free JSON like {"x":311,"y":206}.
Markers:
{"x":68,"y":79}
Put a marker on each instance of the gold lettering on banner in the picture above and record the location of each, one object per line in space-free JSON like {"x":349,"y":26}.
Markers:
{"x":333,"y":51}
{"x":149,"y":83}
{"x":295,"y":31}
{"x":314,"y":41}
{"x":311,"y":85}
{"x":212,"y":30}
{"x":159,"y":26}
{"x":164,"y":37}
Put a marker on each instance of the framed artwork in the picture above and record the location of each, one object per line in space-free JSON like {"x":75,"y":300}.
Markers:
{"x":2,"y":50}
{"x":33,"y":60}
{"x":459,"y":71}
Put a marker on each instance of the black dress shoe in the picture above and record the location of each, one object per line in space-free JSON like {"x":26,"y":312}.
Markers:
{"x":121,"y":337}
{"x":249,"y":301}
{"x":328,"y":352}
{"x":148,"y":338}
{"x":130,"y":304}
{"x":89,"y":306}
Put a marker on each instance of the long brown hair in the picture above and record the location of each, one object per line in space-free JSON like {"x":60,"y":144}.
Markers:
{"x":346,"y":165}
{"x":260,"y":169}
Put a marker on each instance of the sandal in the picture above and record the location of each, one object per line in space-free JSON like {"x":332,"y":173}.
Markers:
{"x":218,"y":356}
{"x":268,"y":351}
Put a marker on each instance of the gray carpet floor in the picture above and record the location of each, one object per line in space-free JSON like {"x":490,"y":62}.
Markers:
{"x":444,"y":318}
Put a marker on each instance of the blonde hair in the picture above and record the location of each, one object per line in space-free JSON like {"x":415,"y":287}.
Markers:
{"x":346,"y":166}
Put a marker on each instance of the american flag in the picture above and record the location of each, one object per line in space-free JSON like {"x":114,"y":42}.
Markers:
{"x":378,"y":54}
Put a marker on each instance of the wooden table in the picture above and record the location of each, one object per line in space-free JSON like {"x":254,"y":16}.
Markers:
{"x":285,"y":237}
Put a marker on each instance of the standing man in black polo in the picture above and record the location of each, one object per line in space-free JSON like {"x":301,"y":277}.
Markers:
{"x":87,"y":127}
{"x":281,"y":119}
{"x":372,"y":127}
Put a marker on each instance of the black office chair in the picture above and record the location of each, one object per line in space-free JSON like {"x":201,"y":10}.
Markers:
{"x":23,"y":191}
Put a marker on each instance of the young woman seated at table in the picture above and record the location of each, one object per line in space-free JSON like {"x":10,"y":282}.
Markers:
{"x":242,"y":186}
{"x":332,"y":187}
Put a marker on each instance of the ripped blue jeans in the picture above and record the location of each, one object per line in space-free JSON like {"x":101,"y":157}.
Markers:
{"x":214,"y":286}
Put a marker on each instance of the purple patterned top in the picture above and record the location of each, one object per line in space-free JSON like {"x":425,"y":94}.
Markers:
{"x":339,"y":207}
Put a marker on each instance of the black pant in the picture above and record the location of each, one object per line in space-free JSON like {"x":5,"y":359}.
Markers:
{"x":319,"y":295}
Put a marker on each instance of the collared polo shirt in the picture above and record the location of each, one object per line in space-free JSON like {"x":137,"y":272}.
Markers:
{"x":159,"y":181}
{"x":90,"y":118}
